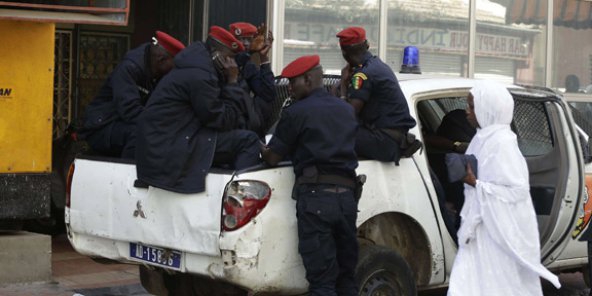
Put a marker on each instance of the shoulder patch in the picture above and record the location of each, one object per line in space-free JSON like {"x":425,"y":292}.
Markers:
{"x":358,"y":79}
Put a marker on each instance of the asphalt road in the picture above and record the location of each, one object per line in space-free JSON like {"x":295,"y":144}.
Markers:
{"x":572,"y":284}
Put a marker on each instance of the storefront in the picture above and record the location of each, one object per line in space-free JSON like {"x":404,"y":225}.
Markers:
{"x":506,"y":40}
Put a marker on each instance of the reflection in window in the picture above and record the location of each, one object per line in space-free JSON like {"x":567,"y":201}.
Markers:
{"x":572,"y":55}
{"x":508,"y":49}
{"x":438,"y":28}
{"x":311,"y":25}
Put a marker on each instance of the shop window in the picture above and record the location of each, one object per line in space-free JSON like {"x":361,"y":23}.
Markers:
{"x":572,"y":54}
{"x":438,"y":28}
{"x":99,"y":55}
{"x":508,"y":49}
{"x":310,"y":28}
{"x":62,"y":96}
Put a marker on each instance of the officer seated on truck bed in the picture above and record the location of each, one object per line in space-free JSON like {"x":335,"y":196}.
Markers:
{"x":110,"y":119}
{"x":371,"y":87}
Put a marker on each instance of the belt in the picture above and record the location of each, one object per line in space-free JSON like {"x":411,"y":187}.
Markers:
{"x":328,"y":179}
{"x":337,"y":189}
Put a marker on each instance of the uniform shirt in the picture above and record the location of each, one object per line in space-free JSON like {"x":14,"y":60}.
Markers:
{"x":258,"y":83}
{"x":177,"y":132}
{"x":318,"y":130}
{"x":385,"y":105}
{"x":124,"y":93}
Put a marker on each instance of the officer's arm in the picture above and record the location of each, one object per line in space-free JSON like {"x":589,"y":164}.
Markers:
{"x":261,"y":82}
{"x":357,"y":104}
{"x":358,"y":91}
{"x":126,"y":95}
{"x":284,"y":139}
{"x":212,"y":111}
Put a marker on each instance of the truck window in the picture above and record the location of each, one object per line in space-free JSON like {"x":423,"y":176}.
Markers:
{"x":531,"y":125}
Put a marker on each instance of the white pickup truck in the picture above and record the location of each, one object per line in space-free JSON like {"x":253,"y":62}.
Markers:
{"x":241,"y":232}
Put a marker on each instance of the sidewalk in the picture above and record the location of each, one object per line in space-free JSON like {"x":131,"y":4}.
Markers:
{"x":74,"y":273}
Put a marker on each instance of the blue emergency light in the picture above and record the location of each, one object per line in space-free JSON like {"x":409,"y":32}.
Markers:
{"x":410,"y":60}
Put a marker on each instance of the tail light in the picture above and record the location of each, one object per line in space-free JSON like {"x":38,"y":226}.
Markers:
{"x":243,"y":200}
{"x":69,"y":184}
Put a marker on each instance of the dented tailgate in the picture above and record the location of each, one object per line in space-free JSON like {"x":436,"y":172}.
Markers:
{"x":106,"y":205}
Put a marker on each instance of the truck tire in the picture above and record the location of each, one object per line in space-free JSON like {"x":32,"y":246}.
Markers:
{"x":382,"y":271}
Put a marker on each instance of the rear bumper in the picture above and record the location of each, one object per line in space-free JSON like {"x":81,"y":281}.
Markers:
{"x":248,"y":273}
{"x":25,"y":196}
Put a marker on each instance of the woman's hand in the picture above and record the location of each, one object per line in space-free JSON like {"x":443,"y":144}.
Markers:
{"x":470,"y":177}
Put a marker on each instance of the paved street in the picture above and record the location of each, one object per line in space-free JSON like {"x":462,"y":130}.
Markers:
{"x":74,"y":273}
{"x":77,"y":274}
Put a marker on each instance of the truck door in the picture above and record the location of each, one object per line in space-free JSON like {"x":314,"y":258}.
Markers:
{"x":549,"y":142}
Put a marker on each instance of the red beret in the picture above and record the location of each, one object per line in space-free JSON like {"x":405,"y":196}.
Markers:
{"x":224,"y":37}
{"x":241,"y":29}
{"x":172,"y":45}
{"x":351,"y":35}
{"x":300,"y":66}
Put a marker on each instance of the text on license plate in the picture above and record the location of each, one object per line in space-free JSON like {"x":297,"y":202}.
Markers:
{"x":155,"y":255}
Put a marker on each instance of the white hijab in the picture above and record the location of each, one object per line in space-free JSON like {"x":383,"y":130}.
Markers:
{"x":494,"y":144}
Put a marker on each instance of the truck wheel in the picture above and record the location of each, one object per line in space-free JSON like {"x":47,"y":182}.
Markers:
{"x":382,"y":271}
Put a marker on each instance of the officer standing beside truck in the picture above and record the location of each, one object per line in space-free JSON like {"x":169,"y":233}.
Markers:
{"x":318,"y":132}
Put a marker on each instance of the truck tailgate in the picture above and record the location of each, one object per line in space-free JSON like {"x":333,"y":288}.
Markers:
{"x":105,"y":204}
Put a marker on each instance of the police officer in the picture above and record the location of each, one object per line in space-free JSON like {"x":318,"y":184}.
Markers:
{"x":373,"y":90}
{"x":318,"y":132}
{"x":256,"y":77}
{"x":110,"y":119}
{"x":190,"y":121}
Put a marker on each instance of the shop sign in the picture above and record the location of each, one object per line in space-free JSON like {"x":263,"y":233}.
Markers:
{"x":433,"y":39}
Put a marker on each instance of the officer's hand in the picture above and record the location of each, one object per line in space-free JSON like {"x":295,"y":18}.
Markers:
{"x":230,"y":69}
{"x":262,"y":146}
{"x":264,"y":52}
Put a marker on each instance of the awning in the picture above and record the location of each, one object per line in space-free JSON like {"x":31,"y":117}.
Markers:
{"x":569,"y":13}
{"x":113,"y":12}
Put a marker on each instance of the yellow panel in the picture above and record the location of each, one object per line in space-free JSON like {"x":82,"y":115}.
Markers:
{"x":26,"y":96}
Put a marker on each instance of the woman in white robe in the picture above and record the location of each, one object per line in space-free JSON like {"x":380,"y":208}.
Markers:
{"x":499,"y":249}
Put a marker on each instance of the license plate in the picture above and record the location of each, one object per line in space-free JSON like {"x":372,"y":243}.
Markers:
{"x":156,"y":256}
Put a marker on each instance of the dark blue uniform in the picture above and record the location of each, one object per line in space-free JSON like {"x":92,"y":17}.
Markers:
{"x":110,"y":119}
{"x":258,"y":83}
{"x":385,"y":110}
{"x":178,"y":132}
{"x":318,"y":132}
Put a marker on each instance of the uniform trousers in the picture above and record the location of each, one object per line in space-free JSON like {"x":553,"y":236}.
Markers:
{"x":376,"y":144}
{"x":116,"y":139}
{"x":327,"y":238}
{"x":238,"y":149}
